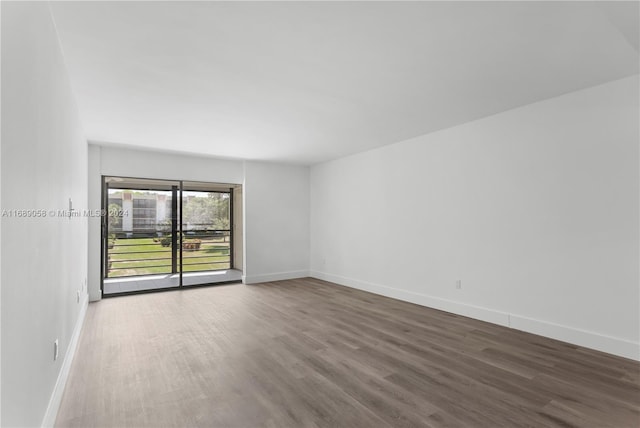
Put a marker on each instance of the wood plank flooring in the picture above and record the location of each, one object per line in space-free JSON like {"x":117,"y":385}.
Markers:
{"x":308,"y":353}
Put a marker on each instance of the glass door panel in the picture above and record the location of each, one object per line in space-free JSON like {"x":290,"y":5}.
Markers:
{"x":206,"y":230}
{"x":141,"y":240}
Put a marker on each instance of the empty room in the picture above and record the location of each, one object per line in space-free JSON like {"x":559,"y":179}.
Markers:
{"x":320,"y":214}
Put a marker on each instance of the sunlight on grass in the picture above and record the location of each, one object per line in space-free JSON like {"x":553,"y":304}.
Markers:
{"x":143,"y":256}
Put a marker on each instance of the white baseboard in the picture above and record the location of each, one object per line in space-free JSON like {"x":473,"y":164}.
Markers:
{"x":277,"y":276}
{"x":56,"y":396}
{"x":576,"y":336}
{"x":587,"y":339}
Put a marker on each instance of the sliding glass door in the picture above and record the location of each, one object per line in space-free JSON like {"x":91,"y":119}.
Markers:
{"x":165,"y":234}
{"x":206,"y":230}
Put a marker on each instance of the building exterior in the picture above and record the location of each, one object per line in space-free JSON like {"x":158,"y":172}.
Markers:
{"x":142,"y":212}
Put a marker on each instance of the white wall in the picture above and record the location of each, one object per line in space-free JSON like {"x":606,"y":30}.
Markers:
{"x":153,"y":164}
{"x":94,"y":188}
{"x":0,"y":233}
{"x":535,"y":210}
{"x":44,"y":260}
{"x":276,"y":200}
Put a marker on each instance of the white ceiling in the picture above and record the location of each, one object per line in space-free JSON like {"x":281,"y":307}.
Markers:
{"x":305,"y":82}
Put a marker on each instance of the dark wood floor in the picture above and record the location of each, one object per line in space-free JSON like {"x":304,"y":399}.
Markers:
{"x":310,"y":353}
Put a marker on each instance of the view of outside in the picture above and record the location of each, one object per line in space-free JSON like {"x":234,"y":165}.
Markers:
{"x":140,"y":238}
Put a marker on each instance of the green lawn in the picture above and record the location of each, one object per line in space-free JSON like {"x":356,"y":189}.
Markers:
{"x":135,"y":256}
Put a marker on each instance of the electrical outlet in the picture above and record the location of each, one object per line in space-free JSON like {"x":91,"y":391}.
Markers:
{"x":459,"y":284}
{"x":55,"y":350}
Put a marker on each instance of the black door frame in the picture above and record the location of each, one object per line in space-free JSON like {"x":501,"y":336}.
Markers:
{"x":176,"y":226}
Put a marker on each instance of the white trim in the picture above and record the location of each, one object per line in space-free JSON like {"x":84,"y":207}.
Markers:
{"x":56,"y":396}
{"x":476,"y":312}
{"x":587,"y":339}
{"x":277,"y":276}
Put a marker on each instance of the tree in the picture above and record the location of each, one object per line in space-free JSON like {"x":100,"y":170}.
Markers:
{"x":211,"y":212}
{"x":221,"y":220}
{"x":114,"y":213}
